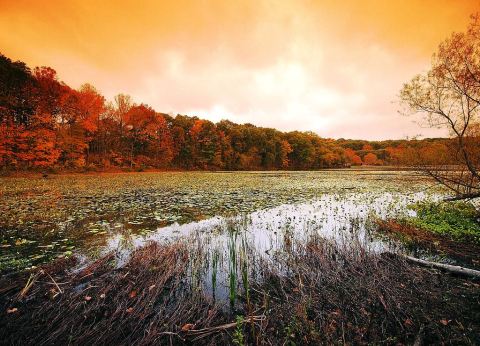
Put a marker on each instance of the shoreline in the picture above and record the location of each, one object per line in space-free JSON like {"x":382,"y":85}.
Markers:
{"x":39,"y":174}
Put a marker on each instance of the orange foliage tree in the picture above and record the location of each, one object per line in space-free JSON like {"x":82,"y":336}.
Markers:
{"x":44,"y":124}
{"x":370,"y":159}
{"x":448,"y":96}
{"x":352,"y":157}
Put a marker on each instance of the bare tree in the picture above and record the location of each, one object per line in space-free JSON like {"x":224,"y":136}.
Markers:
{"x":448,"y":96}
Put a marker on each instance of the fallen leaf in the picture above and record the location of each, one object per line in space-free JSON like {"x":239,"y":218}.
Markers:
{"x":12,"y":310}
{"x":133,"y":294}
{"x":129,"y":310}
{"x":88,"y":298}
{"x":364,"y":312}
{"x":187,"y":327}
{"x":102,"y":295}
{"x":408,"y":322}
{"x":151,"y":287}
{"x":444,"y":322}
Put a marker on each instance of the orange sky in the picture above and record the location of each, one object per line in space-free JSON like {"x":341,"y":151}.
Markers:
{"x":332,"y":67}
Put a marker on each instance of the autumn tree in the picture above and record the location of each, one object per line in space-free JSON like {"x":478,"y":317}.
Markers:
{"x":119,"y":147}
{"x":370,"y":159}
{"x":8,"y":133}
{"x":46,"y":123}
{"x":367,"y":147}
{"x":231,"y":139}
{"x":36,"y":145}
{"x":16,"y":106}
{"x":284,"y":150}
{"x":448,"y":96}
{"x":303,"y":152}
{"x":352,"y":157}
{"x":16,"y":92}
{"x":139,"y":128}
{"x":78,"y":119}
{"x":91,"y":107}
{"x":160,"y":147}
{"x":48,"y":92}
{"x":122,"y":105}
{"x":206,"y":149}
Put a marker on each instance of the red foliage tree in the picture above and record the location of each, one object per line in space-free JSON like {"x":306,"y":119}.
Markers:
{"x":370,"y":159}
{"x":352,"y":157}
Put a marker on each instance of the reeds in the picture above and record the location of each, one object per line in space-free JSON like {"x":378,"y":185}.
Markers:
{"x":232,"y":267}
{"x":322,"y":292}
{"x":215,"y":258}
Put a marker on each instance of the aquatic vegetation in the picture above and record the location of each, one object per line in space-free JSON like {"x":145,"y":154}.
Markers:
{"x":238,"y":338}
{"x":244,"y":268}
{"x":458,"y":220}
{"x":444,"y":232}
{"x":232,"y":266}
{"x":42,"y":219}
{"x":215,"y":257}
{"x":425,"y":244}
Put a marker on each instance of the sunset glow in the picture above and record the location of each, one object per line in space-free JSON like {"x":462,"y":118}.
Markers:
{"x":331,"y":67}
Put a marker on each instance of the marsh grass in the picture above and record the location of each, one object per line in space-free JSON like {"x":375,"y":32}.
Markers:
{"x":215,"y":258}
{"x":457,"y":220}
{"x":315,"y":291}
{"x":431,"y":245}
{"x":439,"y":231}
{"x":232,"y":266}
{"x":244,"y":268}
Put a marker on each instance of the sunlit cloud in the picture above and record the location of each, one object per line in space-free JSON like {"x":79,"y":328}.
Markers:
{"x":324,"y":66}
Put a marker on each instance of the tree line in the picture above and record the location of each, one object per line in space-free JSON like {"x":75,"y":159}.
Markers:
{"x":44,"y":123}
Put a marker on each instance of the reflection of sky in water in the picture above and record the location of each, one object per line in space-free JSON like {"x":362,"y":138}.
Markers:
{"x":342,"y":218}
{"x":49,"y":218}
{"x":333,"y":216}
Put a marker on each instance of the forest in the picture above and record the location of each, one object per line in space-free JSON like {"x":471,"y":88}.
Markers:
{"x":47,"y":125}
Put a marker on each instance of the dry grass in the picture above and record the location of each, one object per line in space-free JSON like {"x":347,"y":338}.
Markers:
{"x":314,"y":293}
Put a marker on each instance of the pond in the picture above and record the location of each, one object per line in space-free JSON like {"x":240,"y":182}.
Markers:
{"x":88,"y":215}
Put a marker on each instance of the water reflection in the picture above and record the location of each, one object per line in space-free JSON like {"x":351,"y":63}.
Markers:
{"x":342,"y":217}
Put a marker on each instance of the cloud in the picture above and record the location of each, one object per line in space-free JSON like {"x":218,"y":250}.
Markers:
{"x":326,"y":66}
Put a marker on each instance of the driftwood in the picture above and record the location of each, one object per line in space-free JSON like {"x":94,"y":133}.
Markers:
{"x":457,"y":270}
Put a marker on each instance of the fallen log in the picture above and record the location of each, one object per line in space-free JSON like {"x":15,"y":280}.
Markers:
{"x":457,"y":270}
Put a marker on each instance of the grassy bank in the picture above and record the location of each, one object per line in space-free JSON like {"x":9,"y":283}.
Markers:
{"x":445,"y":229}
{"x":458,"y":221}
{"x":313,"y":292}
